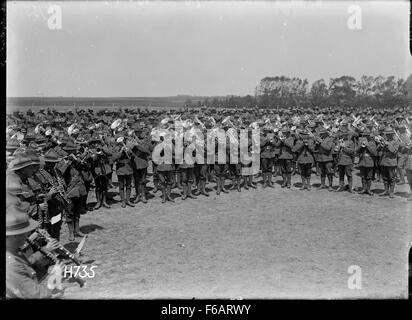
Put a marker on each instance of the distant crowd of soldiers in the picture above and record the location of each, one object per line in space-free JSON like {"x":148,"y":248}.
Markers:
{"x":56,"y":158}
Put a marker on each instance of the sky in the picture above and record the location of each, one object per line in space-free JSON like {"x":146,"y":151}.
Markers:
{"x":144,"y":49}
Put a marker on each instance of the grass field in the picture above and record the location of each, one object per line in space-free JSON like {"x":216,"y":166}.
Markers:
{"x":264,"y":243}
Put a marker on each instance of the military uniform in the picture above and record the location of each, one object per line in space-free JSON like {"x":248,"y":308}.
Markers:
{"x":367,"y":152}
{"x":388,"y":165}
{"x":304,"y":148}
{"x":124,"y":172}
{"x":325,"y":148}
{"x":345,"y":162}
{"x":286,"y":160}
{"x":142,"y":153}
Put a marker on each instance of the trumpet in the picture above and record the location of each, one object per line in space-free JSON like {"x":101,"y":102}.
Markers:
{"x":380,"y":139}
{"x":124,"y":147}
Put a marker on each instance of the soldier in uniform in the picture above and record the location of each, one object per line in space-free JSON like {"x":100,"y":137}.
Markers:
{"x":141,"y":151}
{"x":324,"y":146}
{"x":124,"y":172}
{"x":70,"y":169}
{"x":346,"y":151}
{"x":366,"y":152}
{"x":22,"y":281}
{"x":388,"y":162}
{"x":267,"y":144}
{"x":186,"y":170}
{"x":402,"y":154}
{"x":166,"y":171}
{"x":201,"y":172}
{"x":19,"y":177}
{"x":304,"y":147}
{"x":99,"y":167}
{"x":57,"y":201}
{"x":286,"y":156}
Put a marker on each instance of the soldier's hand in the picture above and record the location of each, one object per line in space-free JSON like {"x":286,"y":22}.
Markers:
{"x":43,"y":206}
{"x":52,"y":245}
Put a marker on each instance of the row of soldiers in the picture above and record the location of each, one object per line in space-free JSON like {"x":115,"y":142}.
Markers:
{"x":53,"y":172}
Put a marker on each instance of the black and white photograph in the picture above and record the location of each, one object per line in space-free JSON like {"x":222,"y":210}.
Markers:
{"x":208,"y":150}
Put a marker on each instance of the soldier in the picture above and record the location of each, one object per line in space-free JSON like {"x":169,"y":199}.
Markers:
{"x":124,"y":172}
{"x":141,"y":151}
{"x":21,"y":278}
{"x":366,"y":152}
{"x":346,"y":151}
{"x":324,"y":145}
{"x":19,"y":179}
{"x":186,"y":169}
{"x":304,"y":147}
{"x":388,"y":162}
{"x":286,"y":156}
{"x":201,"y":172}
{"x":165,"y":171}
{"x":99,"y":167}
{"x":57,"y":202}
{"x":402,"y":154}
{"x":267,"y":144}
{"x":70,"y":169}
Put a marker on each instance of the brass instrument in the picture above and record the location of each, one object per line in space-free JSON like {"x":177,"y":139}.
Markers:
{"x":124,"y":147}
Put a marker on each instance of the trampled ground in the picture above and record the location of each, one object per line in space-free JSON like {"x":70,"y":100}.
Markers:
{"x":264,"y":243}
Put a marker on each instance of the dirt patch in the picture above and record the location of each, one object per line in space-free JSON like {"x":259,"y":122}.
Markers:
{"x":264,"y":243}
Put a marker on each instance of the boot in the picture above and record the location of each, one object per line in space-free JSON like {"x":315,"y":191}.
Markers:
{"x":203,"y":188}
{"x":289,"y":180}
{"x":222,"y":182}
{"x":245,"y":183}
{"x":317,"y":169}
{"x":363,"y":191}
{"x":189,"y":191}
{"x":341,"y":186}
{"x":303,"y":187}
{"x":322,"y":183}
{"x":218,"y":185}
{"x":155,"y":186}
{"x":121,"y":194}
{"x":330,"y":178}
{"x":238,"y":184}
{"x":128,"y":192}
{"x":99,"y":197}
{"x":233,"y":187}
{"x":350,"y":183}
{"x":143,"y":193}
{"x":251,"y":184}
{"x":401,"y":177}
{"x":168,"y":193}
{"x":104,"y":202}
{"x":391,"y":190}
{"x":184,"y":194}
{"x":285,"y":182}
{"x":198,"y":189}
{"x":308,"y":186}
{"x":137,"y":199}
{"x":386,"y":192}
{"x":264,"y":175}
{"x":70,"y":226}
{"x":270,"y":182}
{"x":77,"y":232}
{"x":163,"y":194}
{"x":368,"y":187}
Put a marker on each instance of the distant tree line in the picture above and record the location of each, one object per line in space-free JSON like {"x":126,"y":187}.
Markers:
{"x":345,"y":91}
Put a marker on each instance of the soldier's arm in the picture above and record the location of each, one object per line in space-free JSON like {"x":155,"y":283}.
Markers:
{"x":23,"y":285}
{"x":327,"y":144}
{"x":298,"y":146}
{"x":371,"y":146}
{"x":349,"y":150}
{"x":289,"y":142}
{"x":393,"y":147}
